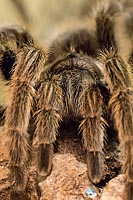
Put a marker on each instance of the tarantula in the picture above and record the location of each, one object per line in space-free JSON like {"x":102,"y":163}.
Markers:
{"x":82,"y":77}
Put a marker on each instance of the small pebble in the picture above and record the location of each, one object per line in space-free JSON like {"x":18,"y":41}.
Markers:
{"x":91,"y":193}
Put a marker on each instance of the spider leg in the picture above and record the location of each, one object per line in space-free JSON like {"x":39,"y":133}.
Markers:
{"x":121,"y":104}
{"x":12,"y":41}
{"x":92,"y":126}
{"x":47,"y":123}
{"x":28,"y":67}
{"x":118,"y":77}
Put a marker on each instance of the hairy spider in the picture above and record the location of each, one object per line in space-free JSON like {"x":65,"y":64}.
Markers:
{"x":82,"y":77}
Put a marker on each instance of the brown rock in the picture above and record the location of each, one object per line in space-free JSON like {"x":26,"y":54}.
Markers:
{"x":114,"y":189}
{"x":68,"y":180}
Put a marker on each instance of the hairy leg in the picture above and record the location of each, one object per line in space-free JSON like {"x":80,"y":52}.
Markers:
{"x":47,"y":123}
{"x":92,"y":127}
{"x":117,"y":76}
{"x":27,"y":69}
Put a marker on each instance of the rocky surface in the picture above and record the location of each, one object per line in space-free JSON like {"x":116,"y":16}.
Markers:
{"x":68,"y":179}
{"x":114,"y":189}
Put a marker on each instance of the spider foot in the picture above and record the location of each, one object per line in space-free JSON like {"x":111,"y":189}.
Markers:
{"x":44,"y":158}
{"x":95,"y":166}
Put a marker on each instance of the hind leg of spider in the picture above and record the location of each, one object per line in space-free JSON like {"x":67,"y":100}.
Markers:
{"x":92,"y":127}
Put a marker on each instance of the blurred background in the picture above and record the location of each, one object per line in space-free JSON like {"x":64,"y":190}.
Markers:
{"x":42,"y":17}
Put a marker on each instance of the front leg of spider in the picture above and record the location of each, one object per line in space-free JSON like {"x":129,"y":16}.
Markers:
{"x":28,"y":67}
